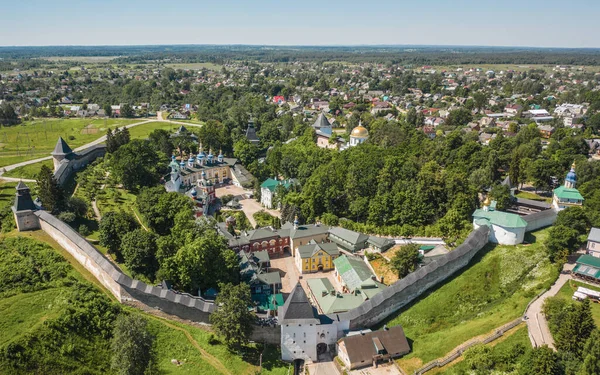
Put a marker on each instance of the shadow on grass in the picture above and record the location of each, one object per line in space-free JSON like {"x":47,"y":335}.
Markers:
{"x":270,"y":356}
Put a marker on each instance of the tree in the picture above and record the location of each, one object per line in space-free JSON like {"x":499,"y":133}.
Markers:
{"x":575,"y":328}
{"x":50,"y":193}
{"x":501,"y":194}
{"x":132,"y":346}
{"x":160,"y":208}
{"x":540,"y":361}
{"x":136,"y":165}
{"x":245,"y":151}
{"x":107,"y":110}
{"x":561,"y":241}
{"x":232,"y":319}
{"x":8,"y":116}
{"x":203,"y":263}
{"x":591,"y":355}
{"x":461,"y":116}
{"x":113,"y":227}
{"x":138,"y":248}
{"x":405,"y":260}
{"x":127,"y":111}
{"x":160,"y":139}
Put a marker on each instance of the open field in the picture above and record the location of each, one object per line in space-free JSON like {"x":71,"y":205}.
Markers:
{"x":84,"y":59}
{"x":494,"y":290}
{"x":194,"y":66}
{"x":504,"y":67}
{"x":29,"y":171}
{"x":7,"y":193}
{"x":35,"y":139}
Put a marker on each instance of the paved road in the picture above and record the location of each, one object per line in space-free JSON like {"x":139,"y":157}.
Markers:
{"x":539,"y":333}
{"x":95,"y":142}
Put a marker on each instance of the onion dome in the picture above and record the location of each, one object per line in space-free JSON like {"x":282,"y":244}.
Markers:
{"x":359,"y":132}
{"x":487,"y":201}
{"x":220,"y":157}
{"x":173,"y":157}
{"x":571,"y":176}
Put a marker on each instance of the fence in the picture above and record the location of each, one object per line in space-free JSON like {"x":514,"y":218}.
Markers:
{"x":457,"y":352}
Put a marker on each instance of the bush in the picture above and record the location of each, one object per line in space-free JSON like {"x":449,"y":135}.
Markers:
{"x":84,"y":230}
{"x":71,"y":137}
{"x":67,"y":217}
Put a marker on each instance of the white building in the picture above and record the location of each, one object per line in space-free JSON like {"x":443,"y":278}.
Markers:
{"x":506,"y":228}
{"x":303,"y":336}
{"x":358,"y":135}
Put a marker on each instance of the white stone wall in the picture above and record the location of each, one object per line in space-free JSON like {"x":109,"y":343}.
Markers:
{"x":298,"y":341}
{"x":82,"y":258}
{"x":266,"y":198}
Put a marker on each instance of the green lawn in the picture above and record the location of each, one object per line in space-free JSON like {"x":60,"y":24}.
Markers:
{"x":494,"y":290}
{"x":29,"y":171}
{"x":7,"y":193}
{"x":533,"y":196}
{"x":566,"y":293}
{"x":143,"y":131}
{"x":35,"y":139}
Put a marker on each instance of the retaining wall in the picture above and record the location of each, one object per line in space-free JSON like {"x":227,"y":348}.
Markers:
{"x":404,"y":291}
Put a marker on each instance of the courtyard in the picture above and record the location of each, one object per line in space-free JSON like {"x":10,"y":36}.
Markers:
{"x":249,"y":205}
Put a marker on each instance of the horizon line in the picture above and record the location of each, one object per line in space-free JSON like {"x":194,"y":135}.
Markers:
{"x":299,"y":45}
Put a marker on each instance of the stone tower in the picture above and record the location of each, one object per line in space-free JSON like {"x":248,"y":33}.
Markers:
{"x":61,"y":151}
{"x":23,"y":209}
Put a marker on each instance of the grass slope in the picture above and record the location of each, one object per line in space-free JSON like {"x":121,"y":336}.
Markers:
{"x":494,"y":289}
{"x":38,"y":299}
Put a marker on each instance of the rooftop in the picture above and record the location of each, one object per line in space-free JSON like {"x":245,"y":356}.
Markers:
{"x":563,"y":192}
{"x":500,"y":218}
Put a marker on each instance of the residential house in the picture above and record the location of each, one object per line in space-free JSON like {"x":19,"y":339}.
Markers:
{"x":370,"y":348}
{"x":546,"y":130}
{"x":315,"y":257}
{"x":593,"y":243}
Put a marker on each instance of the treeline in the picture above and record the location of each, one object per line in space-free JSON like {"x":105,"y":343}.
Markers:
{"x":432,"y":55}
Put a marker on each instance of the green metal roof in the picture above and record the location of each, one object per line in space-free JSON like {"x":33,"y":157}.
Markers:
{"x":588,"y":265}
{"x":567,"y":193}
{"x":502,"y":219}
{"x":589,"y":260}
{"x":353,"y":271}
{"x":336,"y":302}
{"x":271,"y":184}
{"x":426,"y":248}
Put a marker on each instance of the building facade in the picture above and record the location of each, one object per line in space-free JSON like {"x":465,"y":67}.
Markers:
{"x":316,"y":257}
{"x":567,"y":195}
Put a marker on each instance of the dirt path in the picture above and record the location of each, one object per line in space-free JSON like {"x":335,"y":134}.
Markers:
{"x":212,"y":360}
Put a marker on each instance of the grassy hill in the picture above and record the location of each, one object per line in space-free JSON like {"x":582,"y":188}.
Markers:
{"x":494,"y":290}
{"x":55,"y":319}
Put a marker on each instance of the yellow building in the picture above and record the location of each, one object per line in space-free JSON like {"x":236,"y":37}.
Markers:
{"x":316,"y":257}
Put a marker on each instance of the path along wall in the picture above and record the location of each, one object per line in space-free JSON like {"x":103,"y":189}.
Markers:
{"x":404,"y":291}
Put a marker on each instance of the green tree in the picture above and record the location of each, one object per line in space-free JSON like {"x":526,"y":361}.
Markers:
{"x":138,"y":248}
{"x":113,"y":227}
{"x":160,"y":139}
{"x":232,"y":319}
{"x":50,"y":193}
{"x":591,"y":355}
{"x":461,"y":116}
{"x":245,"y":151}
{"x":107,"y":110}
{"x":561,"y":241}
{"x":136,"y":165}
{"x":575,"y":328}
{"x":540,"y":361}
{"x":127,"y":111}
{"x":405,"y":260}
{"x":501,"y":194}
{"x":132,"y":346}
{"x":160,"y":208}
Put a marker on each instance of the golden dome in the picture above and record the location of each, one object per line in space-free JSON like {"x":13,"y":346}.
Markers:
{"x":487,"y":201}
{"x":360,"y":132}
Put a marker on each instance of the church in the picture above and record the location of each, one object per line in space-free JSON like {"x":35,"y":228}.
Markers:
{"x":197,"y":176}
{"x":567,"y":195}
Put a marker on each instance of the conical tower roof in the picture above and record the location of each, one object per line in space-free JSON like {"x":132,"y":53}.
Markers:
{"x":321,"y":122}
{"x":62,"y":148}
{"x":297,"y":308}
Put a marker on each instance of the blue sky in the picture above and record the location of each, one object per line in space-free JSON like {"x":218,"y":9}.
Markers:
{"x":549,"y":23}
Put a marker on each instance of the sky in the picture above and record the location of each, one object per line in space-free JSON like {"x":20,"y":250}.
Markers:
{"x":534,"y":23}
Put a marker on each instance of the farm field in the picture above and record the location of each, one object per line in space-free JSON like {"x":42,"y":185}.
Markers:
{"x":494,"y":290}
{"x":36,"y":139}
{"x":23,"y":314}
